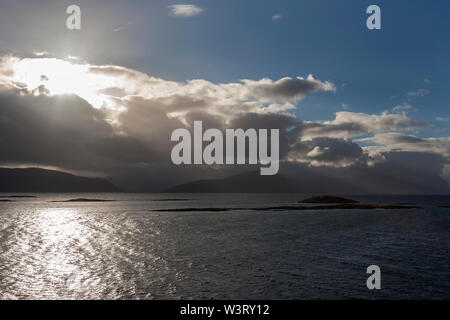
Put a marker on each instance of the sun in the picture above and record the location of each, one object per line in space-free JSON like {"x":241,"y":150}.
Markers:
{"x":59,"y":76}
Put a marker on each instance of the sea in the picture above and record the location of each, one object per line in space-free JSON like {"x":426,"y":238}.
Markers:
{"x":217,"y":246}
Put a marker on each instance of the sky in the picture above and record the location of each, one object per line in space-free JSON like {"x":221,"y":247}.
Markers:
{"x":371,"y":93}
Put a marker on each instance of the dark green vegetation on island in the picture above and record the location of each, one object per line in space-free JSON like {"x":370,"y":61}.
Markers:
{"x":327,"y":199}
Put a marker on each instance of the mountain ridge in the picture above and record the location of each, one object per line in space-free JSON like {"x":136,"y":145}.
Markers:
{"x":314,"y":182}
{"x":43,"y":180}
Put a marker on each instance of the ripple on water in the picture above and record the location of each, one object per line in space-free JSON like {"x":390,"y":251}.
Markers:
{"x":123,"y":250}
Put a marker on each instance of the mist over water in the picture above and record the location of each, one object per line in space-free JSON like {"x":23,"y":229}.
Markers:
{"x":125,"y":250}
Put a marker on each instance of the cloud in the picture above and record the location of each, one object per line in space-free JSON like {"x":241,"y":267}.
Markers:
{"x":352,"y":124}
{"x":331,"y":152}
{"x":388,"y":142}
{"x":378,"y":122}
{"x":42,"y":53}
{"x":277,"y":16}
{"x":123,"y":27}
{"x":185,"y":10}
{"x":94,"y":83}
{"x":71,"y":134}
{"x":418,"y":93}
{"x":114,"y":120}
{"x":117,"y":122}
{"x":287,"y":88}
{"x":7,"y":64}
{"x":403,"y":106}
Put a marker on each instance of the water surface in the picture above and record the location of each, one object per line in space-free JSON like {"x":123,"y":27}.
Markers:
{"x":125,"y":250}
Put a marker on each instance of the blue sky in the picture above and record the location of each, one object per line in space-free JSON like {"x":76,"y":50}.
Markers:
{"x":231,"y":40}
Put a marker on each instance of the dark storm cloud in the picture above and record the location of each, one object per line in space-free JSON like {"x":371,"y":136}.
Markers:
{"x":63,"y":131}
{"x":67,"y":132}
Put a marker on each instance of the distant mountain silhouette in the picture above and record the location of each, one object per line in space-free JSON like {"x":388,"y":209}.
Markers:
{"x":323,"y":180}
{"x":41,"y":180}
{"x":246,"y":182}
{"x":253,"y":182}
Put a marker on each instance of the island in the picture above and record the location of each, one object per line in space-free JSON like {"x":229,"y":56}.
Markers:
{"x":327,"y":199}
{"x":33,"y":180}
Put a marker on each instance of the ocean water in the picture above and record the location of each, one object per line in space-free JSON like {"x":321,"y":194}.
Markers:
{"x":127,"y":250}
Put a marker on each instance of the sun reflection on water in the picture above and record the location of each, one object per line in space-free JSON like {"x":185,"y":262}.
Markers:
{"x":50,"y":255}
{"x":74,"y":252}
{"x":59,"y":228}
{"x":57,"y":261}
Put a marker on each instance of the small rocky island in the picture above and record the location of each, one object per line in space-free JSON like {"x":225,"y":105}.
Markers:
{"x":331,"y":202}
{"x":85,"y":200}
{"x":320,"y":203}
{"x":327,"y":199}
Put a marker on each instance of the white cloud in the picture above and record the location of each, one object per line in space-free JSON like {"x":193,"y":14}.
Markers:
{"x":277,"y":16}
{"x":378,"y":123}
{"x":145,"y":109}
{"x":185,"y":10}
{"x":113,"y":87}
{"x":392,"y":141}
{"x":330,"y":152}
{"x":418,"y":93}
{"x":123,"y":27}
{"x":402,"y":107}
{"x":38,"y":53}
{"x":353,"y":124}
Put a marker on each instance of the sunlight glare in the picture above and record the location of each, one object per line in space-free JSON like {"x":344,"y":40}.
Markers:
{"x":63,"y":77}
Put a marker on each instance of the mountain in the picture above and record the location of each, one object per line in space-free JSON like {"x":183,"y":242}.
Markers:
{"x":253,"y":182}
{"x":41,"y":180}
{"x":246,"y":182}
{"x":363,"y":180}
